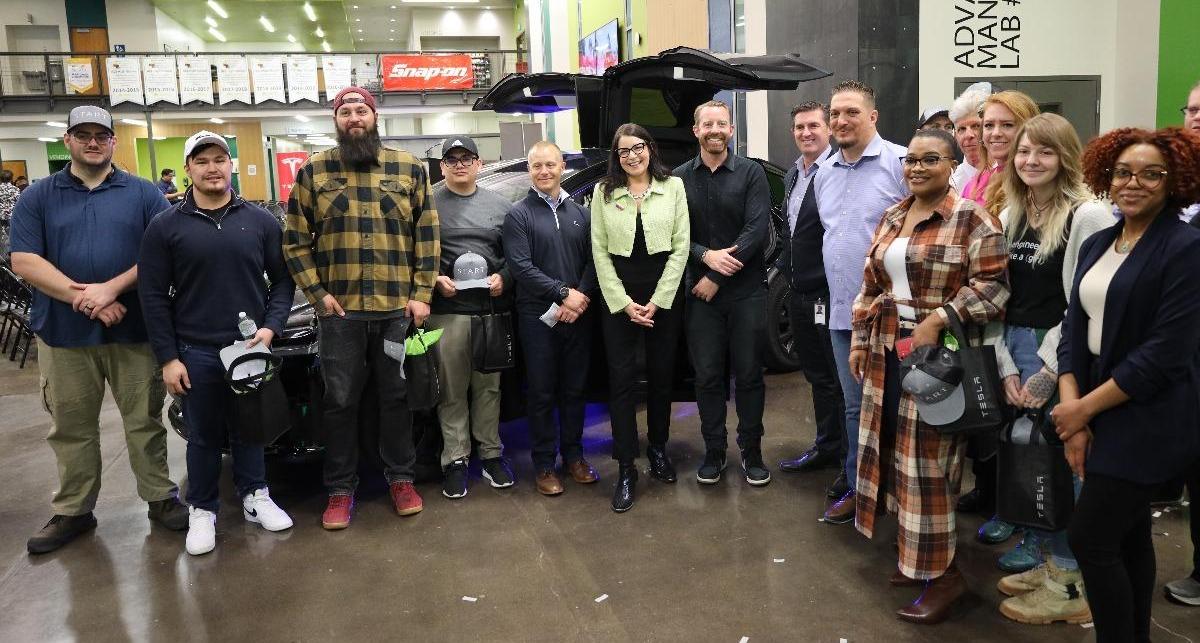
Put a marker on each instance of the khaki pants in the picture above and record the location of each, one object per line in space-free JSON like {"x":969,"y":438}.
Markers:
{"x":72,"y":382}
{"x":470,"y":401}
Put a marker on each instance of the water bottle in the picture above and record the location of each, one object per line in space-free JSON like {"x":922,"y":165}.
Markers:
{"x":246,"y":326}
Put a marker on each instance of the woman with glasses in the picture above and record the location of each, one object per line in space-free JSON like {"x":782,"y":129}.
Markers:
{"x":1129,"y":366}
{"x":930,"y":250}
{"x":1050,"y":214}
{"x":640,"y":239}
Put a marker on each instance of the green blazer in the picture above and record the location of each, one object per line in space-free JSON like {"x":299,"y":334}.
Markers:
{"x":667,"y":228}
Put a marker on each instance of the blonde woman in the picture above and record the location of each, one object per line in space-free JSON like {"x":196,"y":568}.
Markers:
{"x":1003,"y":113}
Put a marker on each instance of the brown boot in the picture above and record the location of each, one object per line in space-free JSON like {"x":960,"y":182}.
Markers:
{"x":935,"y":603}
{"x":898,"y":579}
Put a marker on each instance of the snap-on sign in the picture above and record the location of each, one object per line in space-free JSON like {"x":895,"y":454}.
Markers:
{"x":409,"y":72}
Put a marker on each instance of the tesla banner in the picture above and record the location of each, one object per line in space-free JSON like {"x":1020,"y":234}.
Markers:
{"x":411,"y":72}
{"x":286,"y":166}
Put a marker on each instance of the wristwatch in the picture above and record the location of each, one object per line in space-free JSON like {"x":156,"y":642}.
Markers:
{"x":562,"y":293}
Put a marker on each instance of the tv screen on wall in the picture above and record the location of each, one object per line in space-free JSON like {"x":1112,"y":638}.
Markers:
{"x":600,"y":49}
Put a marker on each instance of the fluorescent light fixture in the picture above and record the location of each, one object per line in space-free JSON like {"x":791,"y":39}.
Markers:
{"x":326,"y":47}
{"x":308,"y":11}
{"x":217,"y":121}
{"x":291,"y":38}
{"x":210,"y":21}
{"x":216,"y":34}
{"x":391,"y":40}
{"x":56,"y":124}
{"x":47,"y":139}
{"x":360,"y":31}
{"x":355,"y":6}
{"x":358,"y":20}
{"x":302,"y":118}
{"x":133,"y":121}
{"x":439,"y":1}
{"x":217,"y":9}
{"x":266,"y":24}
{"x":320,"y":33}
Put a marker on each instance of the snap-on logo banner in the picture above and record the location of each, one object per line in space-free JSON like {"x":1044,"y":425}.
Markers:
{"x":416,"y":72}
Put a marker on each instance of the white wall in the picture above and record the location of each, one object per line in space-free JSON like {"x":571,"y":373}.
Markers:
{"x":33,"y":152}
{"x":132,"y":23}
{"x":44,"y":12}
{"x":462,"y":23}
{"x":176,"y":37}
{"x":758,"y":119}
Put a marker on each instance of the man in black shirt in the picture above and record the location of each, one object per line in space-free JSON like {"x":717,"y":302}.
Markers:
{"x":729,"y":205}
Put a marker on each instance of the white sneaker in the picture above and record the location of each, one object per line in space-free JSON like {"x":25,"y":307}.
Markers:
{"x":202,"y":531}
{"x":258,"y":507}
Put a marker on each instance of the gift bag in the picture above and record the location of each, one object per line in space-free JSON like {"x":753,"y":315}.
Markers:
{"x":260,"y":405}
{"x":1034,"y":480}
{"x":421,"y":369}
{"x":492,"y":342}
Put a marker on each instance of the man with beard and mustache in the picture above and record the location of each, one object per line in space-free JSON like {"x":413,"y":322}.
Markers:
{"x":75,"y":238}
{"x":362,"y":242}
{"x":212,"y":248}
{"x":729,"y":204}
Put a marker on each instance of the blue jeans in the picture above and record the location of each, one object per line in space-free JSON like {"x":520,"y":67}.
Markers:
{"x":206,"y":411}
{"x":1023,"y":344}
{"x":852,"y":393}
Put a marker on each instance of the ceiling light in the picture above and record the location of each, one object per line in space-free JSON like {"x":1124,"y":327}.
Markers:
{"x":391,"y":40}
{"x":391,"y":31}
{"x":217,"y":121}
{"x":308,"y":11}
{"x":291,"y":38}
{"x":326,"y":47}
{"x":133,"y":121}
{"x":393,"y":6}
{"x":358,"y":20}
{"x":212,"y":4}
{"x":266,"y":24}
{"x":216,"y":34}
{"x":319,"y":33}
{"x":360,"y":31}
{"x":210,"y":21}
{"x":302,"y":118}
{"x":439,"y":1}
{"x":56,"y":124}
{"x":160,"y":138}
{"x":47,"y":139}
{"x":355,"y":6}
{"x":392,"y":20}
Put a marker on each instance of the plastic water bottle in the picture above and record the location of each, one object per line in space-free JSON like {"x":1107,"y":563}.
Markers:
{"x":246,"y":326}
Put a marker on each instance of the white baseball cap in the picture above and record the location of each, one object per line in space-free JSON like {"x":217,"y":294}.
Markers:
{"x":202,"y":138}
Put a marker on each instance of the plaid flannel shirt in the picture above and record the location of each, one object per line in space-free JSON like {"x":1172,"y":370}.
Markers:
{"x":369,"y":238}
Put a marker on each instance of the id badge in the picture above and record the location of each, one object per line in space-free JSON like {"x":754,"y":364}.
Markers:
{"x":819,"y":307}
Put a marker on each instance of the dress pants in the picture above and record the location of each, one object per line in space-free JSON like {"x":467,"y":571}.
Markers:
{"x":728,"y":329}
{"x":810,"y":343}
{"x":556,"y":368}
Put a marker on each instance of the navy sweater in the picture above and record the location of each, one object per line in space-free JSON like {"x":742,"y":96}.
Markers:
{"x":546,"y":251}
{"x":216,"y":268}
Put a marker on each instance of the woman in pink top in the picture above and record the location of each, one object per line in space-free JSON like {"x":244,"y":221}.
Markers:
{"x":1003,"y":113}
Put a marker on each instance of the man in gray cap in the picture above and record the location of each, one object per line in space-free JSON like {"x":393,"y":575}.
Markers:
{"x":472,"y":281}
{"x":75,"y":237}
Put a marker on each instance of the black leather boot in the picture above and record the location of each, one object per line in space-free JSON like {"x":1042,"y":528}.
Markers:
{"x":660,"y":465}
{"x":623,"y":494}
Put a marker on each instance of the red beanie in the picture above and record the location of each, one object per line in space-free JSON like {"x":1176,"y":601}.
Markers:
{"x":366,"y":97}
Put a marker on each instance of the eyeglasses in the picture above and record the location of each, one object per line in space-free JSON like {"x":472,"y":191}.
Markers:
{"x":1190,"y":111}
{"x":636,"y":148}
{"x":928,"y":162}
{"x":85,"y":137}
{"x":1148,"y":179}
{"x":459,"y":161}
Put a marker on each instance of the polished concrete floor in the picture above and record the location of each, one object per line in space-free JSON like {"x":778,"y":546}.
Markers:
{"x":726,"y":563}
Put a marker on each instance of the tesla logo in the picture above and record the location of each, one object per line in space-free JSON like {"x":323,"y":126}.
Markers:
{"x":292,"y":163}
{"x":287,"y":165}
{"x":980,"y":397}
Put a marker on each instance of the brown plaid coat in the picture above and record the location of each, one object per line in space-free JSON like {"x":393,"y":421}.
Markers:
{"x":957,"y":256}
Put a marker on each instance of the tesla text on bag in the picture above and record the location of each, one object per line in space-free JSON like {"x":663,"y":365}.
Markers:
{"x":410,"y":72}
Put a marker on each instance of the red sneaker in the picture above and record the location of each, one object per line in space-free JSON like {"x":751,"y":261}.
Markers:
{"x":337,"y":512}
{"x":406,"y":499}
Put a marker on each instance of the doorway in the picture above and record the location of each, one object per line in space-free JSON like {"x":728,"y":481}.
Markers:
{"x":1075,"y":98}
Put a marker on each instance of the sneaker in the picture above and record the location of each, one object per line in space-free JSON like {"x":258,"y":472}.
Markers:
{"x":1185,"y":591}
{"x":405,"y":498}
{"x":710,"y":471}
{"x":498,"y":473}
{"x":258,"y":508}
{"x":338,"y":511}
{"x":454,"y":479}
{"x":995,"y":531}
{"x":169,"y":513}
{"x":1060,"y":598}
{"x":202,"y":531}
{"x":1025,"y":582}
{"x":1025,"y":556}
{"x":752,"y":467}
{"x":60,"y":531}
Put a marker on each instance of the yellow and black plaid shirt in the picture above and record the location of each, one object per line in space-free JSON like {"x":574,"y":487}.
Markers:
{"x":368,"y":237}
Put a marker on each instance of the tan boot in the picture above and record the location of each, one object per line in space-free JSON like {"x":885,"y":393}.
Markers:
{"x":1060,"y":598}
{"x":1025,"y":582}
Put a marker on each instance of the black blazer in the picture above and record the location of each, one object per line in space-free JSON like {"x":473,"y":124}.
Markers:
{"x":1151,"y":348}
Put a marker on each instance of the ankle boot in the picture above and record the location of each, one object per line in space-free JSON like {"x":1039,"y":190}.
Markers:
{"x":660,"y":465}
{"x":623,"y":494}
{"x":935,"y":603}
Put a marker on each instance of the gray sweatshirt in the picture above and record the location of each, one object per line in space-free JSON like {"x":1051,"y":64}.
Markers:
{"x":472,"y":224}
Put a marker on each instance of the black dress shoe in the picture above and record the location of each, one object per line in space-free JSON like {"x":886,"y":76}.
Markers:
{"x":660,"y":465}
{"x":968,"y":503}
{"x":60,"y":531}
{"x":623,"y":494}
{"x":839,"y":486}
{"x":810,"y":460}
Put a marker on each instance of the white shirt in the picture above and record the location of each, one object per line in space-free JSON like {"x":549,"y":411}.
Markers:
{"x":896,"y":266}
{"x":1093,"y":293}
{"x":962,"y":174}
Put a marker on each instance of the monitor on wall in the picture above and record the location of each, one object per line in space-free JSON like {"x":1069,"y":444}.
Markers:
{"x":600,"y":49}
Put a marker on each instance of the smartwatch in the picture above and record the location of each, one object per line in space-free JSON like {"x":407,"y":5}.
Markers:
{"x":563,"y":291}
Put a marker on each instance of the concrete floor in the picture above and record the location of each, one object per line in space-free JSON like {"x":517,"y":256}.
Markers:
{"x":687,"y":563}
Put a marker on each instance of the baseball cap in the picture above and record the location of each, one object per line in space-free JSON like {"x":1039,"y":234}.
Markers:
{"x":85,"y":114}
{"x":365,"y":97}
{"x":202,"y":138}
{"x":465,"y":142}
{"x":470,"y":271}
{"x":930,"y":113}
{"x":932,"y":375}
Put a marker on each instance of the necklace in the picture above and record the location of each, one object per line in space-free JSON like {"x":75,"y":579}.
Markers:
{"x":641,"y":195}
{"x":1124,"y":245}
{"x":1036,"y":210}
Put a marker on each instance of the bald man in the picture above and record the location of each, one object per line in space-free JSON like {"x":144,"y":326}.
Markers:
{"x":548,"y":248}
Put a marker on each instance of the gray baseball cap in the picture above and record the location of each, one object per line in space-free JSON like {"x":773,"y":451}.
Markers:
{"x":465,"y":142}
{"x":932,"y":375}
{"x":85,"y":114}
{"x":470,"y":271}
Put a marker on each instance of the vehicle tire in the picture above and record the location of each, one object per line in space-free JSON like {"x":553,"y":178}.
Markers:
{"x":175,"y":418}
{"x":777,"y":349}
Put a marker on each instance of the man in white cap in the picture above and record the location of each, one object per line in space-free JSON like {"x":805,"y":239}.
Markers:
{"x":202,"y":263}
{"x":473,"y":280}
{"x":75,"y":238}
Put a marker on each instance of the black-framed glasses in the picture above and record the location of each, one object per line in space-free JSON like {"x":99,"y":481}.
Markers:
{"x":86,"y":137}
{"x":928,"y":161}
{"x":459,"y":161}
{"x":1191,"y":111}
{"x":1146,"y":178}
{"x":636,"y":148}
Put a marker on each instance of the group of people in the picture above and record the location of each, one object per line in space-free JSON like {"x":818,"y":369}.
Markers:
{"x":1074,"y":263}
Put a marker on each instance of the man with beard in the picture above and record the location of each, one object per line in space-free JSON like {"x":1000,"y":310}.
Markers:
{"x":729,"y":204}
{"x":361,"y":241}
{"x":75,"y":239}
{"x":212,"y":249}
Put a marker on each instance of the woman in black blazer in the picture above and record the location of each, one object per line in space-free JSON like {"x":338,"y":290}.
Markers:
{"x":1129,"y":365}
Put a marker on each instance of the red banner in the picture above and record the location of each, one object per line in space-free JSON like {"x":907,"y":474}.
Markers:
{"x":421,"y":72}
{"x":286,"y":166}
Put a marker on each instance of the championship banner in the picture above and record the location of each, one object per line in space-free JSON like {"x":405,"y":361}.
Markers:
{"x":337,"y":75}
{"x":233,"y":80}
{"x":195,"y":80}
{"x":302,"y":79}
{"x":287,"y":164}
{"x":158,"y":74}
{"x":124,"y":80}
{"x":80,"y":76}
{"x":267,"y":73}
{"x":423,"y":72}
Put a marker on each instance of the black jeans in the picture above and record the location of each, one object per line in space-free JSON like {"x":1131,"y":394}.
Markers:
{"x":1193,"y":487}
{"x":810,"y":344}
{"x":620,"y":344}
{"x":1110,"y":535}
{"x":556,"y":368}
{"x":734,"y":329}
{"x":352,"y":351}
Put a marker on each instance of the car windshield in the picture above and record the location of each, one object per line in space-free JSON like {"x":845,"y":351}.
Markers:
{"x":511,"y":180}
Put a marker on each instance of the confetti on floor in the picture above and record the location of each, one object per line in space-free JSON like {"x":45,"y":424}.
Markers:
{"x":780,"y":560}
{"x":601,"y":598}
{"x":470,"y":599}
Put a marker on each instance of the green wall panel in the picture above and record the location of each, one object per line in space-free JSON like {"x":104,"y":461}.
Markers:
{"x":87,"y":13}
{"x":1178,"y":62}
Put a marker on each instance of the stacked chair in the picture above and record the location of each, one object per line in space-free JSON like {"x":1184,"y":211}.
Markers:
{"x":16,"y":299}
